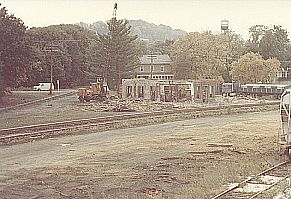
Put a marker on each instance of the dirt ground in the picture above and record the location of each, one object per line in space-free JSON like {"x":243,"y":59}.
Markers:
{"x":185,"y":159}
{"x":61,"y":109}
{"x":18,"y":97}
{"x":69,"y":107}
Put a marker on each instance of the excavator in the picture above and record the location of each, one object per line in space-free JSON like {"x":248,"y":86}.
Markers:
{"x":97,"y":91}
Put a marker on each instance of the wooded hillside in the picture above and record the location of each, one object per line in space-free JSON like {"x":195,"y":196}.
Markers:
{"x":142,"y":29}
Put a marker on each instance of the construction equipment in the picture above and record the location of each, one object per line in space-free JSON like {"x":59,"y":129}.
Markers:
{"x":97,"y":91}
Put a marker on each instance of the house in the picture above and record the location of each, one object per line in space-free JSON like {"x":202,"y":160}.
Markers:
{"x":283,"y":76}
{"x":154,"y":67}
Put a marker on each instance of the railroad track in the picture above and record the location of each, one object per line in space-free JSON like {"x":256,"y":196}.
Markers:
{"x":10,"y":135}
{"x":41,"y":130}
{"x":256,"y":185}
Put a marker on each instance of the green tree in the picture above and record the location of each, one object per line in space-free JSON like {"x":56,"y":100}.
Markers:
{"x":252,"y":68}
{"x":141,"y":47}
{"x":162,"y":47}
{"x":2,"y":87}
{"x":14,"y":52}
{"x":269,"y":42}
{"x":116,"y":54}
{"x":235,"y":47}
{"x":72,"y":59}
{"x":182,"y":69}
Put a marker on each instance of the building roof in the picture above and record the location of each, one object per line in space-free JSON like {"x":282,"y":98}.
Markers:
{"x":265,"y":85}
{"x":157,"y":59}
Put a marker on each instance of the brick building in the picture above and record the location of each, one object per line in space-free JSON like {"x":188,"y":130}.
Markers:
{"x":169,"y":90}
{"x":154,"y":67}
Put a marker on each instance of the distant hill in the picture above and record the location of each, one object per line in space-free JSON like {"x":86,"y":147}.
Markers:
{"x":144,"y":30}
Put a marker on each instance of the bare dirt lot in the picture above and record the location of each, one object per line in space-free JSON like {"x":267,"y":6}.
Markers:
{"x":69,"y":107}
{"x":184,"y":159}
{"x":61,"y":109}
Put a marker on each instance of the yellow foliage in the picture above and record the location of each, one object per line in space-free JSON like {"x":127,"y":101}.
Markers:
{"x":252,"y":68}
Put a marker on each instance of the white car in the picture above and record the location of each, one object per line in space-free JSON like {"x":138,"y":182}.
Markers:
{"x":43,"y":87}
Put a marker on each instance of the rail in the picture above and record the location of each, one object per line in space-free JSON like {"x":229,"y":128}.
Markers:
{"x":43,"y":130}
{"x":259,"y":182}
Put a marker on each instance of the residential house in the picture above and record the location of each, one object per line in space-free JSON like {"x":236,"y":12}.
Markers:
{"x":283,"y":76}
{"x":154,"y":67}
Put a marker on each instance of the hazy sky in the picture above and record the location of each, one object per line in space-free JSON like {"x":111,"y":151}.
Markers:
{"x":188,"y":15}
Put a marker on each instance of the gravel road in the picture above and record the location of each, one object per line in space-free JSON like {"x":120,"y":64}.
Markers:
{"x":170,"y":160}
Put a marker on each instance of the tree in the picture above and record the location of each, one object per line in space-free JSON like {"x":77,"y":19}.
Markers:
{"x":140,"y":47}
{"x":235,"y":48}
{"x":74,"y":57}
{"x":269,"y":42}
{"x":2,"y":87}
{"x":252,"y":68}
{"x":116,"y":53}
{"x":182,"y":69}
{"x":162,"y":47}
{"x":207,"y":55}
{"x":14,"y":52}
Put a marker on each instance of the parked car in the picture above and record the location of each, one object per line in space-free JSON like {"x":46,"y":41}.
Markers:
{"x":43,"y":87}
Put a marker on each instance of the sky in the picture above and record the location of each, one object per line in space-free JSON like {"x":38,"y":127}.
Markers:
{"x":188,"y":15}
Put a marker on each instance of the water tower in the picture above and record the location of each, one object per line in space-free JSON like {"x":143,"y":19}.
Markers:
{"x":224,"y":24}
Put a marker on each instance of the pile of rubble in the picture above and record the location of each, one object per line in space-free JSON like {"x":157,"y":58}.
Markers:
{"x":125,"y":106}
{"x":238,"y":100}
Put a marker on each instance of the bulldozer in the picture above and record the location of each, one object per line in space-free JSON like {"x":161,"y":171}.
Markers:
{"x":97,"y":91}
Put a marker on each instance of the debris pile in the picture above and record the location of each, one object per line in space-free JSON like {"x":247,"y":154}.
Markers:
{"x":125,"y":106}
{"x":238,"y":100}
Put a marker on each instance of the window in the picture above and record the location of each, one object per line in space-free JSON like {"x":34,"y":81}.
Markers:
{"x":140,"y":91}
{"x":141,"y":68}
{"x":162,"y":68}
{"x":129,"y":91}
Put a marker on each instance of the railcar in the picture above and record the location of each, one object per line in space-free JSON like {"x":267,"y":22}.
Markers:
{"x":229,"y":89}
{"x":259,"y":90}
{"x":284,"y":138}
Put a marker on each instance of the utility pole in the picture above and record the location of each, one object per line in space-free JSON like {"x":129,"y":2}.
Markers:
{"x":152,"y":57}
{"x":51,"y":85}
{"x":51,"y":49}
